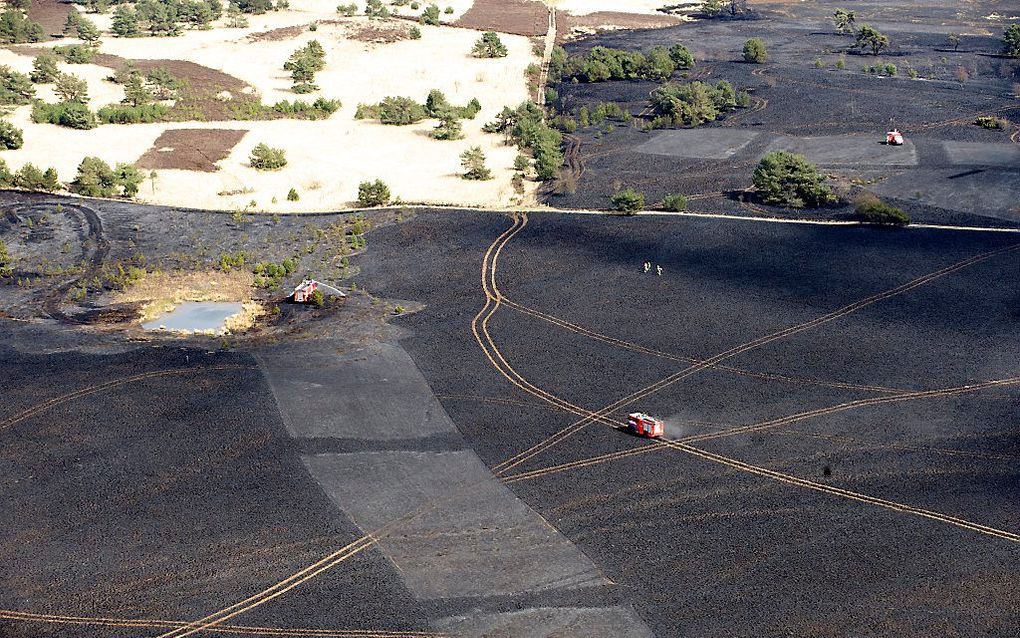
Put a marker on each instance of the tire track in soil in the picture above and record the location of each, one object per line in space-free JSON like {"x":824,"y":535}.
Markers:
{"x":94,"y":258}
{"x":494,"y":295}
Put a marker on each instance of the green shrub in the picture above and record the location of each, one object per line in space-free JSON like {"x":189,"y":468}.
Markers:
{"x":473,"y":162}
{"x":292,"y":195}
{"x":11,"y":137}
{"x":375,"y":9}
{"x":628,"y":201}
{"x":269,"y":274}
{"x":95,"y":178}
{"x":6,"y":262}
{"x":430,"y":15}
{"x":30,"y":177}
{"x":489,"y":46}
{"x":870,"y":37}
{"x":874,"y":211}
{"x":674,"y":203}
{"x":602,"y":64}
{"x":71,"y":88}
{"x":375,"y":193}
{"x":890,"y":69}
{"x":347,"y":10}
{"x":991,"y":122}
{"x":400,"y":111}
{"x":449,"y":128}
{"x":755,"y":52}
{"x":526,"y":126}
{"x":788,"y":179}
{"x":15,"y":88}
{"x":44,"y":69}
{"x":1011,"y":41}
{"x":76,"y":53}
{"x":70,"y":114}
{"x":317,"y":298}
{"x":414,"y":33}
{"x":144,"y":114}
{"x":15,"y":28}
{"x":266,"y":158}
{"x":692,"y":104}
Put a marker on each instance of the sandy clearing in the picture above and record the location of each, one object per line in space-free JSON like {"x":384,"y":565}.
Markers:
{"x":328,"y":158}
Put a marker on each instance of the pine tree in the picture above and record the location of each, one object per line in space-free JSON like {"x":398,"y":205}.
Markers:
{"x":125,"y":22}
{"x":135,"y":91}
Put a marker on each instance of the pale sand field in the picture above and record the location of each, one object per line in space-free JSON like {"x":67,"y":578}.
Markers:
{"x":327,"y":158}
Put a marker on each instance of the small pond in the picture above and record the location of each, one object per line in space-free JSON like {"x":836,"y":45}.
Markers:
{"x":194,"y":316}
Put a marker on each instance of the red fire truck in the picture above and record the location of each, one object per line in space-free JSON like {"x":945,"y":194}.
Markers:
{"x":643,"y":425}
{"x":894,"y":138}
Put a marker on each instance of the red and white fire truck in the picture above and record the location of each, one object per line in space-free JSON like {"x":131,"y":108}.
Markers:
{"x":643,"y":425}
{"x":894,"y":138}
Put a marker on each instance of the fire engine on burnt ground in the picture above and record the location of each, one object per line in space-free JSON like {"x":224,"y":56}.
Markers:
{"x":640,"y":424}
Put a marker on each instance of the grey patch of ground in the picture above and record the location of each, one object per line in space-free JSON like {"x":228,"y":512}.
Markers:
{"x":698,"y":144}
{"x":550,"y":622}
{"x":465,"y":534}
{"x":374,"y":392}
{"x":983,"y":154}
{"x":993,"y":193}
{"x":848,"y":150}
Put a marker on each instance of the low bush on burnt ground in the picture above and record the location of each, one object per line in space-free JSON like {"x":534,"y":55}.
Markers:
{"x":991,"y":122}
{"x":602,"y":64}
{"x":788,"y":179}
{"x":694,"y":103}
{"x":755,"y":51}
{"x":1011,"y":41}
{"x":674,"y":203}
{"x":628,"y":201}
{"x":872,"y":210}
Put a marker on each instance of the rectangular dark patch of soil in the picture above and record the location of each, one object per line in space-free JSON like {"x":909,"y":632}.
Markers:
{"x":190,"y":149}
{"x":520,"y":17}
{"x":205,"y":94}
{"x":51,"y":14}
